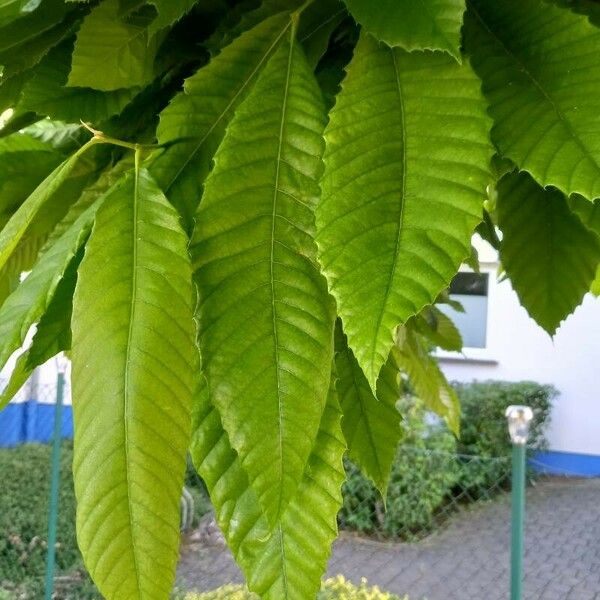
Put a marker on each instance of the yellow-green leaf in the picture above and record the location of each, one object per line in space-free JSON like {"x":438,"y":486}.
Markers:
{"x":426,"y":378}
{"x":371,"y":423}
{"x":540,"y":73}
{"x":406,"y":168}
{"x":110,"y":52}
{"x":265,"y":314}
{"x":288,"y":559}
{"x":134,"y":362}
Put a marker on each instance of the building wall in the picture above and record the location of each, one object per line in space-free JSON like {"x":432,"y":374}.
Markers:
{"x":30,"y":415}
{"x":517,"y":349}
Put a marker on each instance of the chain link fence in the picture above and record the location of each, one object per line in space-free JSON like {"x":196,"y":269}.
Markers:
{"x":426,"y":488}
{"x":29,"y":418}
{"x":445,"y":536}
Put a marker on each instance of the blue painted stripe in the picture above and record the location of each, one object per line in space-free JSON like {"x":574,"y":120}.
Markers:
{"x":32,"y":422}
{"x":553,"y":462}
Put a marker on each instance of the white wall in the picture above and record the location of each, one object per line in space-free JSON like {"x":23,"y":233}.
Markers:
{"x":44,"y":380}
{"x":518,"y":349}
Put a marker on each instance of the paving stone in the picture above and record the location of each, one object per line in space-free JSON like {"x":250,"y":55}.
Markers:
{"x":469,"y":558}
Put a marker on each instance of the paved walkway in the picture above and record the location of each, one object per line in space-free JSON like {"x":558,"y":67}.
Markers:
{"x":469,"y":558}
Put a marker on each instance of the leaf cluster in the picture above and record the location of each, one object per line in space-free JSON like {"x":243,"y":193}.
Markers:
{"x":243,"y":246}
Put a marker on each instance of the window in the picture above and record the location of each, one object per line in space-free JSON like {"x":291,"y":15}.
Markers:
{"x":471,"y":290}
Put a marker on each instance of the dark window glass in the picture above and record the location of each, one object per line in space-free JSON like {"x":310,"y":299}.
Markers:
{"x":471,"y":290}
{"x":470,"y":284}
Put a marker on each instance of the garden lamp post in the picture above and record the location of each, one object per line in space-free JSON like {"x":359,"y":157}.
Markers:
{"x":519,"y":419}
{"x":61,"y":367}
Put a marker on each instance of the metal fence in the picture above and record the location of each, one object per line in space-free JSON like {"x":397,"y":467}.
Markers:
{"x":445,"y":536}
{"x":426,"y":489}
{"x":442,"y":534}
{"x":29,"y":418}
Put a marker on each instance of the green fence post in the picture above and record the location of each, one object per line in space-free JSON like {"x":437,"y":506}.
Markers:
{"x":55,"y":481}
{"x":519,"y":418}
{"x":518,"y":516}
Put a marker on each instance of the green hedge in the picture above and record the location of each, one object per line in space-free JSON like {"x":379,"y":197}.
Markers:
{"x":484,"y":431}
{"x":432,"y":470}
{"x":25,"y":472}
{"x":333,"y":589}
{"x":483,"y":422}
{"x":423,"y":475}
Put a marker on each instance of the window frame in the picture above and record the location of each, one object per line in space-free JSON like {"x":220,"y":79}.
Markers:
{"x":469,"y":353}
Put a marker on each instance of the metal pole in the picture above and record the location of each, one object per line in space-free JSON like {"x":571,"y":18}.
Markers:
{"x":518,"y":516}
{"x":55,"y":481}
{"x":519,"y":419}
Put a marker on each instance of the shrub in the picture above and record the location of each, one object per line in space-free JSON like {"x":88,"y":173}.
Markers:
{"x":484,"y":433}
{"x":483,"y":423}
{"x":333,"y":589}
{"x":432,"y":469}
{"x":25,"y":473}
{"x":423,"y":474}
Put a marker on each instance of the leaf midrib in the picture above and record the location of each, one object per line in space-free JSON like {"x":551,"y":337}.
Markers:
{"x":126,"y":398}
{"x":272,"y":265}
{"x":399,"y":228}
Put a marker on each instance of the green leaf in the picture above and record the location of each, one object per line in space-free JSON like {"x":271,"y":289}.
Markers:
{"x":265,"y":315}
{"x":426,"y":378}
{"x":10,"y":92}
{"x":540,"y":75}
{"x":192,"y":128}
{"x":236,"y":505}
{"x":133,"y":374}
{"x":24,"y":163}
{"x":169,"y":12}
{"x":95,"y":190}
{"x":487,"y":230}
{"x":47,"y":218}
{"x":595,"y":287}
{"x":317,"y":23}
{"x":13,"y":9}
{"x":9,"y":281}
{"x":423,"y":25}
{"x":245,"y":16}
{"x":24,"y":42}
{"x":46,"y":92}
{"x":439,"y":329}
{"x":110,"y":52}
{"x":289,"y":560}
{"x":53,"y":334}
{"x":19,"y":223}
{"x":549,"y":255}
{"x":589,"y":8}
{"x":22,"y":260}
{"x":588,"y":212}
{"x":371,"y":424}
{"x":65,"y":137}
{"x":296,"y":554}
{"x":30,"y":300}
{"x":406,"y":167}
